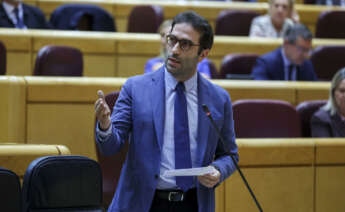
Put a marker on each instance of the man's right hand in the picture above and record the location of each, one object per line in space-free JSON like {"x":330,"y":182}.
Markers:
{"x":102,"y":111}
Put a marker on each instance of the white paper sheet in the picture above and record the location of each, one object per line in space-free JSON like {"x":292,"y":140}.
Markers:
{"x":190,"y":172}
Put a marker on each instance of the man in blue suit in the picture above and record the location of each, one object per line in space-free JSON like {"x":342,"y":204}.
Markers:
{"x":289,"y":62}
{"x":15,"y":14}
{"x":146,"y":114}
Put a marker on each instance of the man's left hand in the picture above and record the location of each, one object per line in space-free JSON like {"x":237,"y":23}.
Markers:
{"x":210,"y":180}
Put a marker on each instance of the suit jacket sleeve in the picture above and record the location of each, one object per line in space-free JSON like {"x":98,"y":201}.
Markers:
{"x":121,"y":123}
{"x":260,"y":70}
{"x":222,"y":160}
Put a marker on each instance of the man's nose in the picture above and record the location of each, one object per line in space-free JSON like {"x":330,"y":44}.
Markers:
{"x":176,"y":48}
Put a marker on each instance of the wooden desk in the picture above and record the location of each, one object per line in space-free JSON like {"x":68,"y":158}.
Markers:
{"x":118,"y":54}
{"x":60,"y":110}
{"x":289,"y":175}
{"x":120,"y":9}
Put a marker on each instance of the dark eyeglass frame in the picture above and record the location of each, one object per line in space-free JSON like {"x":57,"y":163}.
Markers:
{"x":184,"y":44}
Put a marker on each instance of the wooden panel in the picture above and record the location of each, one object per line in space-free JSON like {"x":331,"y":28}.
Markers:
{"x":219,"y":192}
{"x":69,"y":89}
{"x":312,"y":91}
{"x":17,"y":157}
{"x":282,"y":189}
{"x":330,"y":151}
{"x":12,"y":109}
{"x":100,"y":65}
{"x":92,"y":42}
{"x":330,"y":188}
{"x":241,"y":89}
{"x":22,"y":68}
{"x":275,"y":152}
{"x":127,"y":68}
{"x":64,"y":124}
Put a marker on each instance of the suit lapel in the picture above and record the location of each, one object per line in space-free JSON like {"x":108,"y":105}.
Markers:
{"x":3,"y":16}
{"x":280,"y":65}
{"x":203,"y":122}
{"x":158,"y":104}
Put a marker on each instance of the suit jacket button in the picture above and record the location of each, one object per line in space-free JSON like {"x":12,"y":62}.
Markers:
{"x":156,"y":176}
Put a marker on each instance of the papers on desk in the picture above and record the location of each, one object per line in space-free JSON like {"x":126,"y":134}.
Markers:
{"x":190,"y":172}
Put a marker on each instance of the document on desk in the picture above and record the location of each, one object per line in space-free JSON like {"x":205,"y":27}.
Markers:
{"x":190,"y":172}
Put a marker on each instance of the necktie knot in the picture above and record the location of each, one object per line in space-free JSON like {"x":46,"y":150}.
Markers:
{"x":180,"y":87}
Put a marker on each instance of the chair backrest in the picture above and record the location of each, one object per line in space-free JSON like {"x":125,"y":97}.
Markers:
{"x":82,"y":17}
{"x":309,"y":1}
{"x":59,"y":61}
{"x":2,"y":58}
{"x":63,"y":183}
{"x":234,"y":22}
{"x":237,"y":66}
{"x":10,"y":192}
{"x":329,"y":25}
{"x":145,"y":19}
{"x":305,"y":111}
{"x":111,"y":165}
{"x":265,"y":119}
{"x":213,"y":70}
{"x":327,"y":60}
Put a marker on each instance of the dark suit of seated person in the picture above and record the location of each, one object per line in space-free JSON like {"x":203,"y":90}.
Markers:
{"x":289,"y":62}
{"x":15,"y":14}
{"x":331,"y":2}
{"x":329,"y":120}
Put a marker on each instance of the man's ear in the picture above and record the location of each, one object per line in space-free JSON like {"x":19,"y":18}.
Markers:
{"x":203,"y":54}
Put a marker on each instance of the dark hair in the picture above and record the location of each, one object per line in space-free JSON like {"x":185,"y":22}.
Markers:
{"x":199,"y":24}
{"x":297,"y":30}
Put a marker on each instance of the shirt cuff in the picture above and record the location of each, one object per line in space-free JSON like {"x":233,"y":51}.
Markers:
{"x":101,"y":134}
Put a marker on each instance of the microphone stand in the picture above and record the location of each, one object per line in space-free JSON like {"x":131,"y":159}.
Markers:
{"x":208,"y":114}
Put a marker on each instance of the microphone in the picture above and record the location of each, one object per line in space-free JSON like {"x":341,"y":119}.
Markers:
{"x":208,"y":114}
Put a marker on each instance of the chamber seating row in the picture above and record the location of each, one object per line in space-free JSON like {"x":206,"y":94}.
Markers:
{"x":119,"y":54}
{"x":60,"y":110}
{"x":120,"y":9}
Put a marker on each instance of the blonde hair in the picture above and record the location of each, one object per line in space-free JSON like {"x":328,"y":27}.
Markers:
{"x":331,"y":105}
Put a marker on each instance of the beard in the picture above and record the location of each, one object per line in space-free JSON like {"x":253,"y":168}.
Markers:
{"x":181,"y":68}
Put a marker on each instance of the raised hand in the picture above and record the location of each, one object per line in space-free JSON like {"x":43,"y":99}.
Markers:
{"x":102,"y":111}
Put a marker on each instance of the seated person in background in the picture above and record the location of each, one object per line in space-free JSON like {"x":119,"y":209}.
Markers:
{"x":154,"y":64}
{"x":289,"y":62}
{"x":15,"y":14}
{"x":276,"y":21}
{"x":331,"y":2}
{"x":329,"y":120}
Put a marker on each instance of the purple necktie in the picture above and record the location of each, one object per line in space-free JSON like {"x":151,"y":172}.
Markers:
{"x":20,"y":23}
{"x":181,"y":138}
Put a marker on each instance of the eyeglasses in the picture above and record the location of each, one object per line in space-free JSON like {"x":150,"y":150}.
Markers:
{"x":303,"y":49}
{"x":184,"y":44}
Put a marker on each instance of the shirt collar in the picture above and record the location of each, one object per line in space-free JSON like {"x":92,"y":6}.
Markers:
{"x":9,"y":7}
{"x":171,"y":82}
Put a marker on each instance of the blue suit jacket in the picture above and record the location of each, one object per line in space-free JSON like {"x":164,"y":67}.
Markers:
{"x":139,"y":116}
{"x":270,"y":66}
{"x":33,"y":18}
